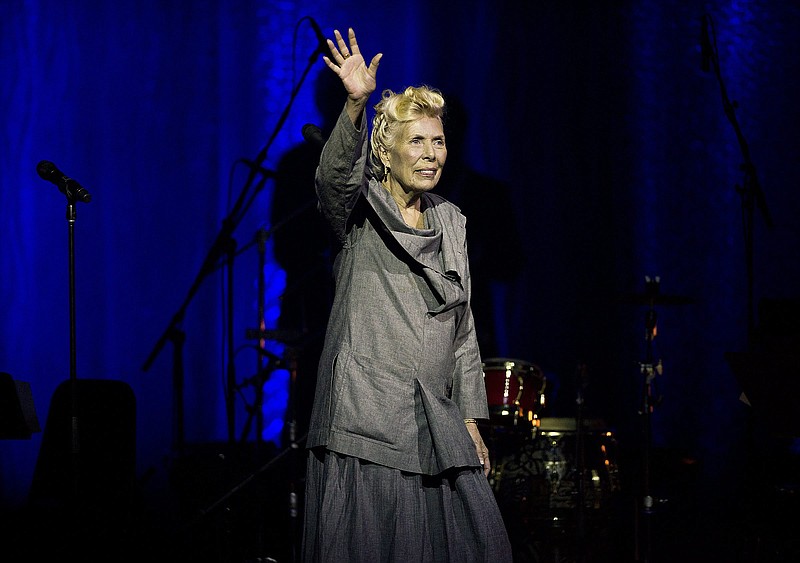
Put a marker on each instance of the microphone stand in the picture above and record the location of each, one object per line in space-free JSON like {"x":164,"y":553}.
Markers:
{"x":750,"y":191}
{"x":224,"y":245}
{"x":75,"y":425}
{"x":752,"y":196}
{"x":73,"y":370}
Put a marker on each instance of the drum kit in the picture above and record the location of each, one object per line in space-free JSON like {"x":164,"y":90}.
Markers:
{"x":555,"y":477}
{"x":543,"y":468}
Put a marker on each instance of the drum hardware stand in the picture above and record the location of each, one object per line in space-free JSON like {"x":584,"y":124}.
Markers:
{"x":286,"y":337}
{"x":263,"y":373}
{"x":263,"y":370}
{"x":295,"y":453}
{"x":257,"y":382}
{"x":241,"y":485}
{"x":582,"y":383}
{"x":649,"y":370}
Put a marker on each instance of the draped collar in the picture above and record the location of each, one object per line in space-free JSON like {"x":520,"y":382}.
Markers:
{"x":437,"y":248}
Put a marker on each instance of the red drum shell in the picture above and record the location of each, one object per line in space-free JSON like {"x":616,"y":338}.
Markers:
{"x":513,"y":387}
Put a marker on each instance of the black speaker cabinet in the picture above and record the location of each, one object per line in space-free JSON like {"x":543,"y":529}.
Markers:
{"x":84,"y":483}
{"x":18,"y":418}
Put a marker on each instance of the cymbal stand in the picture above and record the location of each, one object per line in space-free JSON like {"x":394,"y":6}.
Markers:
{"x":649,"y":370}
{"x":294,"y":448}
{"x":265,"y":361}
{"x":263,"y":373}
{"x":580,"y":457}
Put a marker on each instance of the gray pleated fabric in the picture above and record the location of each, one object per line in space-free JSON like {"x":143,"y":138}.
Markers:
{"x":357,"y":511}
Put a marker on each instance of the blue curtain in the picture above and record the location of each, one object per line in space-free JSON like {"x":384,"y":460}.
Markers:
{"x":600,"y":154}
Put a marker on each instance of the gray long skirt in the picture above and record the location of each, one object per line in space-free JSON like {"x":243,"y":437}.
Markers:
{"x":357,"y":511}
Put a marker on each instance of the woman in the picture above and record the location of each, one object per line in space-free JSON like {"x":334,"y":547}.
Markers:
{"x":396,"y":467}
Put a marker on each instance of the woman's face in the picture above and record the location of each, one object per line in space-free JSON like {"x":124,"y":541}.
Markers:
{"x":418,"y":155}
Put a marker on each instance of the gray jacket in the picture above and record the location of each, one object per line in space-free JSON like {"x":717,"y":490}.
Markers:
{"x":400,"y":368}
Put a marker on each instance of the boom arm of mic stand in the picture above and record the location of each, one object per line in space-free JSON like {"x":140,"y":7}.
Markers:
{"x":216,"y":251}
{"x":221,"y":246}
{"x":752,"y":185}
{"x":263,"y":154}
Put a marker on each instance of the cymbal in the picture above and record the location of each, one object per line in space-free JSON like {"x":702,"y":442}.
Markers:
{"x":655,"y":299}
{"x":278,"y":335}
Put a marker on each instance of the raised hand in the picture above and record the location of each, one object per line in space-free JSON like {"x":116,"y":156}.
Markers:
{"x":349,"y":65}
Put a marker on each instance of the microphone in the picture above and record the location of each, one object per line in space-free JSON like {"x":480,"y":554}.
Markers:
{"x":313,"y":134}
{"x":323,"y":42}
{"x":66,"y":185}
{"x":705,"y":46}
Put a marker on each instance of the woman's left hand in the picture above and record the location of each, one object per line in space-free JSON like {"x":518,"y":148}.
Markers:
{"x":480,"y":447}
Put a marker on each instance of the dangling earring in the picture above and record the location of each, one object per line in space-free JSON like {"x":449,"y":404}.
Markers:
{"x":386,"y":169}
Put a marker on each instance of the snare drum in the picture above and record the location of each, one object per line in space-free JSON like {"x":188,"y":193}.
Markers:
{"x":514,"y":389}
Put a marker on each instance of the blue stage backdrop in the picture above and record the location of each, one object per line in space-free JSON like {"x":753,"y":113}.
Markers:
{"x":600,"y":150}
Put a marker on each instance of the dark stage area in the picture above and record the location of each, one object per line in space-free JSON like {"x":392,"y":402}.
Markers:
{"x":227,"y":503}
{"x":570,"y":488}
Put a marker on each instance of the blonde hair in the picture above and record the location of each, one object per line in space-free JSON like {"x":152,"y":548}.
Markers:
{"x":398,"y":108}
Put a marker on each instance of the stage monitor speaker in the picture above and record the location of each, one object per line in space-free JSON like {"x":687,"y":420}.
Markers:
{"x":771,"y":384}
{"x":18,"y":418}
{"x":769,"y":373}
